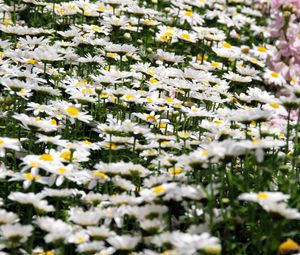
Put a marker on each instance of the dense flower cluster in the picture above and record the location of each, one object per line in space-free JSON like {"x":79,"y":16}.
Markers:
{"x":285,"y":27}
{"x":149,"y":127}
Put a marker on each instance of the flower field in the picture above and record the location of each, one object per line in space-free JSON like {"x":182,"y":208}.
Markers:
{"x":147,"y":127}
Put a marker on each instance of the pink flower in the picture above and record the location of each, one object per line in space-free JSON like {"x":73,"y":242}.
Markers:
{"x":295,"y":4}
{"x":277,"y":3}
{"x":280,"y":123}
{"x":281,"y":68}
{"x":277,"y":24}
{"x":294,"y":115}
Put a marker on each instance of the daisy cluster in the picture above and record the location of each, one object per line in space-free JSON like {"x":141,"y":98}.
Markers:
{"x":147,"y":127}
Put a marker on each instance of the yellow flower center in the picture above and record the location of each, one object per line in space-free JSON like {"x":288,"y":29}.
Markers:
{"x":81,"y":83}
{"x":81,"y":239}
{"x":1,"y":141}
{"x":169,"y":34}
{"x":149,"y":100}
{"x":46,"y":157}
{"x":186,"y":36}
{"x":262,"y":195}
{"x":96,"y":28}
{"x":227,"y":45}
{"x":288,"y":245}
{"x":165,"y":142}
{"x":274,"y":74}
{"x":112,"y":55}
{"x":86,"y":142}
{"x":101,"y":175}
{"x":200,"y":57}
{"x":185,"y":135}
{"x":112,"y":146}
{"x":28,"y":176}
{"x":188,"y":13}
{"x":54,"y":122}
{"x":281,"y":135}
{"x":22,"y":91}
{"x":158,"y":190}
{"x":262,"y":49}
{"x":32,"y":61}
{"x":61,"y":11}
{"x":164,"y":38}
{"x":217,"y":122}
{"x":148,"y":22}
{"x":176,"y":170}
{"x":215,"y":64}
{"x":72,"y":111}
{"x":204,"y":153}
{"x":245,"y":50}
{"x":130,"y":97}
{"x":151,"y":118}
{"x":61,"y":170}
{"x":153,"y":80}
{"x":101,"y":8}
{"x":162,"y":125}
{"x":104,"y":95}
{"x":275,"y":105}
{"x":169,"y":100}
{"x":34,"y":164}
{"x":66,"y":155}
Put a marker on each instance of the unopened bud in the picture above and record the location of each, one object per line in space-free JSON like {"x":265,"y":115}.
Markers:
{"x":149,"y":50}
{"x":127,"y":36}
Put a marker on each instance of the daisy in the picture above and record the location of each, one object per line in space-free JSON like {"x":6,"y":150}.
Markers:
{"x":16,"y":232}
{"x":272,"y":77}
{"x":236,"y":77}
{"x":8,"y":143}
{"x":57,"y":230}
{"x":187,"y":36}
{"x":124,"y":242}
{"x":85,"y":218}
{"x":260,"y":51}
{"x":190,"y":17}
{"x":45,"y":125}
{"x":8,"y":217}
{"x":30,"y":198}
{"x":29,"y":177}
{"x":283,"y":210}
{"x":168,"y":57}
{"x":264,"y":197}
{"x":71,"y":112}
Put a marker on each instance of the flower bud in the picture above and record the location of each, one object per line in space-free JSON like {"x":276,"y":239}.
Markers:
{"x":127,"y":36}
{"x":149,"y":50}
